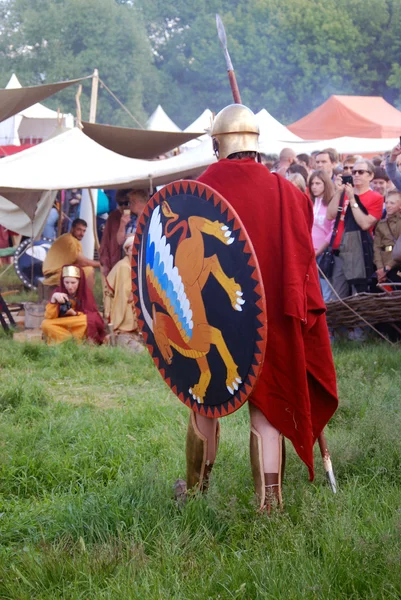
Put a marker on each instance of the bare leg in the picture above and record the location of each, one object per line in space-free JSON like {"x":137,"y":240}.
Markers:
{"x":266,"y":448}
{"x":270,"y":436}
{"x":208,"y":428}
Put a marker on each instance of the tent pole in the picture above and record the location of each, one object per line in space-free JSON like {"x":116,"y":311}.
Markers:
{"x":32,"y":255}
{"x":94,"y":224}
{"x":60,"y":214}
{"x":78,"y":102}
{"x":93,"y":105}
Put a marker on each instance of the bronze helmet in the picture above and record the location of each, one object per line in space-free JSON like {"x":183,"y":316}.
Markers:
{"x":235,"y":129}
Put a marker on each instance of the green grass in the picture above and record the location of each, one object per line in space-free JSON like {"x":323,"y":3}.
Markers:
{"x":91,"y":441}
{"x":9,"y":281}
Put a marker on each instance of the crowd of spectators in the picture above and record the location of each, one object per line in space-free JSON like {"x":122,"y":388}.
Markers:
{"x":356,"y":222}
{"x":357,"y":216}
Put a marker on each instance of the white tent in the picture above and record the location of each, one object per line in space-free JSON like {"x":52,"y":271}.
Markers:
{"x":69,"y":160}
{"x":271,"y":129}
{"x":351,"y":145}
{"x":73,"y":160}
{"x":343,"y":145}
{"x":160,"y":121}
{"x":12,"y":217}
{"x":37,"y":122}
{"x":202,"y":123}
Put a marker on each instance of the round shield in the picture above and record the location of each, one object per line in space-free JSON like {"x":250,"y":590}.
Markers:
{"x":199,"y":297}
{"x":28,"y":260}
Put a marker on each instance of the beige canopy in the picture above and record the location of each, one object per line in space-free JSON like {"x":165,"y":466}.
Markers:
{"x":136,"y":143}
{"x":15,"y":100}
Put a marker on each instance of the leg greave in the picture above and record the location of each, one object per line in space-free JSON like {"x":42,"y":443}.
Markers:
{"x":198,"y":467}
{"x":267,"y":485}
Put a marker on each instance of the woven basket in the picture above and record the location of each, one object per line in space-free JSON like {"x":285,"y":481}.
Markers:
{"x":375,"y":308}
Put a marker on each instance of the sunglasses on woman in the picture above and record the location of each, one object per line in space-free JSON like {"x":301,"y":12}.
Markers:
{"x":123,"y":203}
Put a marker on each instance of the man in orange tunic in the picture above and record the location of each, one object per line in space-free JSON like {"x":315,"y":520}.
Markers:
{"x":67,"y":249}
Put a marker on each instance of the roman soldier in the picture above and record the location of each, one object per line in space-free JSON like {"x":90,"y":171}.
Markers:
{"x":295,"y":395}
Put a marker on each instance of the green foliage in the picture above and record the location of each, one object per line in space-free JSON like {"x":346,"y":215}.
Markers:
{"x":86,"y":507}
{"x":65,"y":39}
{"x":288,"y":56}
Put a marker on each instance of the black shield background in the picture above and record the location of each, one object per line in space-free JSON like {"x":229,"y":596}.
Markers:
{"x":244,"y":331}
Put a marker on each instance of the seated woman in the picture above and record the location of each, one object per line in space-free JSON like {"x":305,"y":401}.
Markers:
{"x":72,"y":310}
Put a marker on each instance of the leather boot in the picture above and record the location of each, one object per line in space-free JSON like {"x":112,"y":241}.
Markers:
{"x":198,"y":468}
{"x":267,"y":485}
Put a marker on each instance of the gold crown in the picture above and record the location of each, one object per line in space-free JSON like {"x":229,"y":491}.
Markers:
{"x":71,"y":271}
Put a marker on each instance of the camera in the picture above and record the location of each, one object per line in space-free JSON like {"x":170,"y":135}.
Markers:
{"x":347,"y":179}
{"x":64,"y":308}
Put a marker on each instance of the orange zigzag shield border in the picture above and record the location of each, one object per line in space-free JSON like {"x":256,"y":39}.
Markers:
{"x":199,"y":297}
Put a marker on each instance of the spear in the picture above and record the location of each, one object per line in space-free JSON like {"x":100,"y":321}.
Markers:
{"x":230,"y":69}
{"x":328,"y":467}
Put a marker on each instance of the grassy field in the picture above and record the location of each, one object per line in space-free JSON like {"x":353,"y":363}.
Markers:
{"x":91,"y":442}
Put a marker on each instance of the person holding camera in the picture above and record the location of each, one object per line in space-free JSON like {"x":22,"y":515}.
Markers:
{"x":72,"y":310}
{"x":361,"y":208}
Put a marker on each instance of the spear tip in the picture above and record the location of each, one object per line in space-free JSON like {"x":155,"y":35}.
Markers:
{"x":221,"y":31}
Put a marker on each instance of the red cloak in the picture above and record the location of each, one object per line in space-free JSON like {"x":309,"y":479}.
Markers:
{"x":296,"y":390}
{"x":86,"y":303}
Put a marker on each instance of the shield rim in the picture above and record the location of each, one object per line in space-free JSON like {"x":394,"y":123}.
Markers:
{"x":18,"y":252}
{"x":238,"y":399}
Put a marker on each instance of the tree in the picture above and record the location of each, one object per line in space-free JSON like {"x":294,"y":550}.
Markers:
{"x":54,"y":40}
{"x":289,"y":56}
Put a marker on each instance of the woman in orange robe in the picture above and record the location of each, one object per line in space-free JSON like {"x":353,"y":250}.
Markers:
{"x":72,"y":310}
